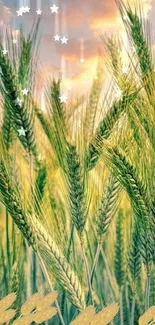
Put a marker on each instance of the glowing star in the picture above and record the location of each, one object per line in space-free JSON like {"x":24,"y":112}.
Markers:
{"x":125,"y":17}
{"x":125,"y":70}
{"x":57,"y":38}
{"x":82,"y":60}
{"x":26,"y":9}
{"x":25,"y":91}
{"x":63,"y":98}
{"x":14,"y":41}
{"x":64,"y":40}
{"x":22,"y":9}
{"x":21,"y":132}
{"x":119,"y":93}
{"x":39,"y":12}
{"x":4,"y":52}
{"x":18,"y":101}
{"x":20,"y":12}
{"x":54,"y":8}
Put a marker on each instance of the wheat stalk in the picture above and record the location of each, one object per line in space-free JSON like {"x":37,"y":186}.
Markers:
{"x":20,"y":116}
{"x":63,"y":273}
{"x":105,"y":127}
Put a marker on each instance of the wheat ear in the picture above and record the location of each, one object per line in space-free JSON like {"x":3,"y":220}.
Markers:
{"x":63,"y":273}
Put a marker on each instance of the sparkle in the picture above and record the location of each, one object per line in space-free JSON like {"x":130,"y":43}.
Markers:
{"x":25,"y":91}
{"x":57,"y":38}
{"x":26,"y":9}
{"x":5,"y":52}
{"x":82,"y":60}
{"x":14,"y":41}
{"x":18,"y":101}
{"x":20,"y":12}
{"x":39,"y":12}
{"x":63,"y":98}
{"x":125,"y":70}
{"x":125,"y":17}
{"x":22,"y":9}
{"x":118,"y":93}
{"x":64,"y":40}
{"x":21,"y":132}
{"x":54,"y":8}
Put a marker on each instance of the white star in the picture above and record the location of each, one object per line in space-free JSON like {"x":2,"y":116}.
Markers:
{"x":82,"y":60}
{"x":18,"y":101}
{"x":54,"y":8}
{"x":63,"y":98}
{"x":118,"y":93}
{"x":21,"y":131}
{"x":39,"y":12}
{"x":125,"y":17}
{"x":64,"y":40}
{"x":26,"y":9}
{"x":25,"y":91}
{"x":57,"y":38}
{"x":4,"y":52}
{"x":14,"y":41}
{"x":125,"y":70}
{"x":20,"y":12}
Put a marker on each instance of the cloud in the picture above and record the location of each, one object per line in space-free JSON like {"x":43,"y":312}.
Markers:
{"x":89,"y":12}
{"x":5,"y":14}
{"x":71,"y":51}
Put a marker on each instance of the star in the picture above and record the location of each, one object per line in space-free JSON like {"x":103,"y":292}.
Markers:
{"x":57,"y":38}
{"x":14,"y":41}
{"x":54,"y":8}
{"x":125,"y":70}
{"x":21,"y":132}
{"x":64,"y":40}
{"x":26,"y":9}
{"x":17,"y":101}
{"x":38,"y":12}
{"x":25,"y":91}
{"x":125,"y":17}
{"x":63,"y":98}
{"x":20,"y":12}
{"x":4,"y":52}
{"x":82,"y":60}
{"x":118,"y":93}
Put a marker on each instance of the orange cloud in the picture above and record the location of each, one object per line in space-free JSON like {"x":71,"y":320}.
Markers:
{"x":71,"y":52}
{"x":5,"y":14}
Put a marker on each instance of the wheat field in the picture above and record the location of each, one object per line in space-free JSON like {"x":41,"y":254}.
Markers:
{"x":77,"y":204}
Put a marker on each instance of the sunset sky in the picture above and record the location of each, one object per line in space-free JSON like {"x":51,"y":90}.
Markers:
{"x":81,"y":21}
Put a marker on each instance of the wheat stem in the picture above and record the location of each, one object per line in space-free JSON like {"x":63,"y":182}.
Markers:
{"x":95,"y":262}
{"x":121,"y":309}
{"x":50,"y":284}
{"x":109,"y":275}
{"x":133,"y":309}
{"x":147,"y":291}
{"x":87,"y":271}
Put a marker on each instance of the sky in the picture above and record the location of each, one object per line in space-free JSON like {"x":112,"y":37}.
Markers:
{"x":82,"y":22}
